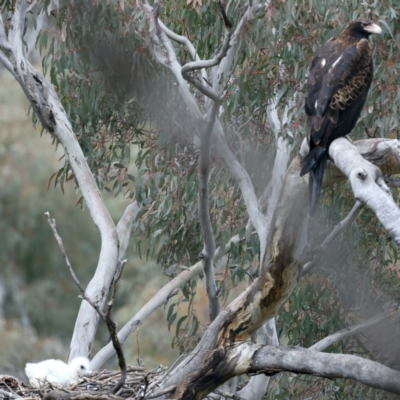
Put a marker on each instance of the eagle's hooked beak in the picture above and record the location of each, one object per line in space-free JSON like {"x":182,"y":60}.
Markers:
{"x":373,"y":28}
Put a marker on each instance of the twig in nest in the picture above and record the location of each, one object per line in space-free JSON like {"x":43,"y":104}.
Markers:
{"x":106,"y":317}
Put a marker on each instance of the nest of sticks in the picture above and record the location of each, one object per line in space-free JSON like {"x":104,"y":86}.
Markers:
{"x":94,"y":386}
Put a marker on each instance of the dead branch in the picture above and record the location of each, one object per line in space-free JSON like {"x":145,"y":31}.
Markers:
{"x":106,"y":317}
{"x":353,"y":330}
{"x":338,"y":230}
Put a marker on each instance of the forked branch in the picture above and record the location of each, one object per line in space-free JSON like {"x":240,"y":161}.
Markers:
{"x":47,"y":106}
{"x":205,"y":161}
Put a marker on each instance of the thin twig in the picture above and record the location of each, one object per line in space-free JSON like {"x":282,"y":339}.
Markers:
{"x":353,"y":330}
{"x":339,"y":229}
{"x":195,"y":65}
{"x":106,"y":317}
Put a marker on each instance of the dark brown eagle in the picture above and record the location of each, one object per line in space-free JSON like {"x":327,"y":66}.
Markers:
{"x":337,"y":86}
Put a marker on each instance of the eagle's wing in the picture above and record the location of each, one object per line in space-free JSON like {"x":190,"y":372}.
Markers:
{"x":332,"y":69}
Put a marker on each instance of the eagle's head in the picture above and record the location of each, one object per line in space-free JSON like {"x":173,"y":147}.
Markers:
{"x":361,"y":28}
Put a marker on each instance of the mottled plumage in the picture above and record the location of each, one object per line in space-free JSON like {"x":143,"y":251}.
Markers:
{"x":337,"y":87}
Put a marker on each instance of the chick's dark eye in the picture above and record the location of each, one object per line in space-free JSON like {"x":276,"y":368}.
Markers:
{"x":82,"y":367}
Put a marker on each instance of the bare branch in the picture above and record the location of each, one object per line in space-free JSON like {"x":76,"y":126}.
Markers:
{"x":236,"y":44}
{"x":160,"y":298}
{"x":32,"y":6}
{"x":50,"y":112}
{"x":124,"y":227}
{"x":106,"y":317}
{"x":9,"y":395}
{"x":368,"y":184}
{"x":195,"y":65}
{"x":186,"y":42}
{"x":258,"y":384}
{"x":204,"y":165}
{"x":327,"y":365}
{"x":353,"y":330}
{"x":338,"y":230}
{"x":204,"y":215}
{"x":4,"y":42}
{"x":52,"y":223}
{"x":222,"y":148}
{"x":243,"y":180}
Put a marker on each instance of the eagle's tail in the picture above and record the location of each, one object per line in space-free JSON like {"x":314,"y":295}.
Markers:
{"x":314,"y":163}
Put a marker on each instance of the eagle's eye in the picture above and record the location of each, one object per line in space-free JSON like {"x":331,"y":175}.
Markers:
{"x":82,"y":367}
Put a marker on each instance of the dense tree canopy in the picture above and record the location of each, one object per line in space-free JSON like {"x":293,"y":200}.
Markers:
{"x":113,"y":66}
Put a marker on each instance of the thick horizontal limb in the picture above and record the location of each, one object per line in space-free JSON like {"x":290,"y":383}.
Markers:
{"x":327,"y":365}
{"x":367,"y":181}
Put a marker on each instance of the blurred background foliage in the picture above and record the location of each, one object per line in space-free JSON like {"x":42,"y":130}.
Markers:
{"x":136,"y":134}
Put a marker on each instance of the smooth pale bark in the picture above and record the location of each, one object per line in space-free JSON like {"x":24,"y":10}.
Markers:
{"x":382,"y":152}
{"x":204,"y":166}
{"x":124,"y":228}
{"x":367,"y":181}
{"x":47,"y":106}
{"x":258,"y":384}
{"x":204,"y":215}
{"x":160,"y":298}
{"x":328,"y":365}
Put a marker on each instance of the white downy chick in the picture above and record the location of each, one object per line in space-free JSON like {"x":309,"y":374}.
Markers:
{"x":56,"y":372}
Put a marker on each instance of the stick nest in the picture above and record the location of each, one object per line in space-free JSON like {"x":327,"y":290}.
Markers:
{"x":94,"y":386}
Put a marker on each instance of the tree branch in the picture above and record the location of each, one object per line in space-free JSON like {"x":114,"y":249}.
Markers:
{"x":124,"y":227}
{"x":338,"y":230}
{"x":368,"y":184}
{"x":258,"y":384}
{"x":204,"y":215}
{"x":353,"y":330}
{"x":160,"y":298}
{"x":186,"y":42}
{"x":327,"y":365}
{"x":236,"y":44}
{"x":32,"y":6}
{"x":50,"y":112}
{"x":195,"y":65}
{"x":204,"y":164}
{"x":106,"y":317}
{"x":235,"y":168}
